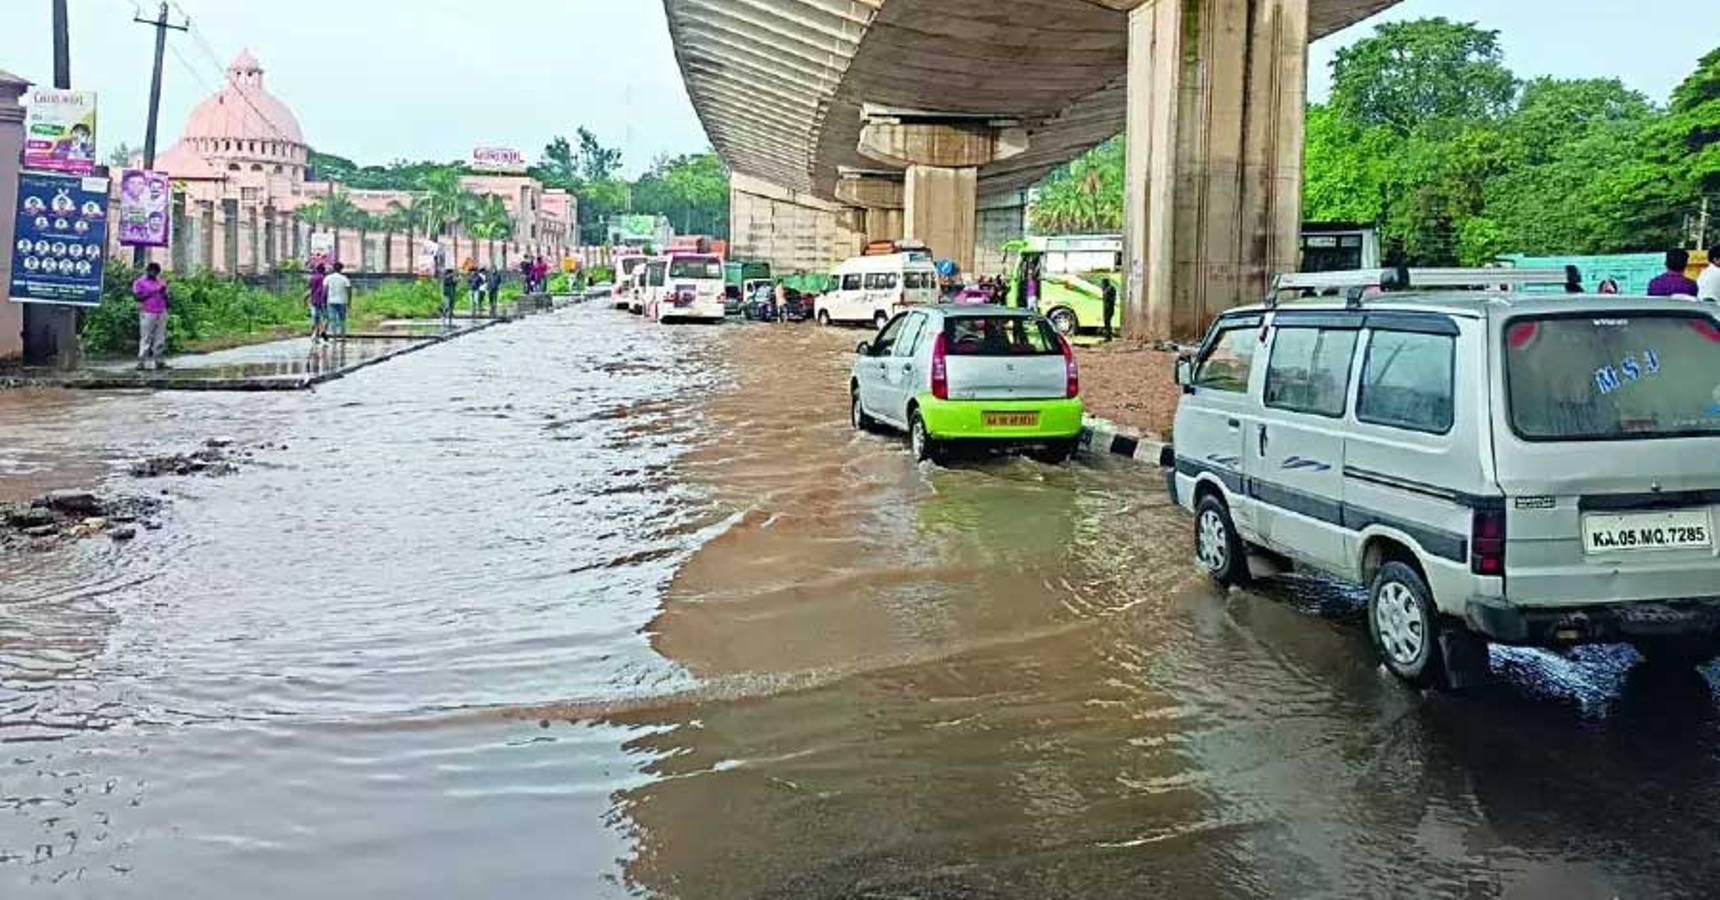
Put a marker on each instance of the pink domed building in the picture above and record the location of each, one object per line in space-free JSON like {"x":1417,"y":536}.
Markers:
{"x":242,"y":171}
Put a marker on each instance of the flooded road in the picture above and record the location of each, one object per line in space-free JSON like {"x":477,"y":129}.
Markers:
{"x":586,"y":607}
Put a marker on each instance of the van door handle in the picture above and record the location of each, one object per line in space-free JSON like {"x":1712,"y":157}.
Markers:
{"x":1234,"y":424}
{"x":907,"y":367}
{"x":1262,"y":440}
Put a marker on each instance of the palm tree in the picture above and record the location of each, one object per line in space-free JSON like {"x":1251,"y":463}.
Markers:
{"x":446,"y":200}
{"x":491,"y":221}
{"x":340,"y":211}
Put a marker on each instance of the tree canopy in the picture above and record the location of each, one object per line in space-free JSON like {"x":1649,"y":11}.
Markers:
{"x":1429,"y":136}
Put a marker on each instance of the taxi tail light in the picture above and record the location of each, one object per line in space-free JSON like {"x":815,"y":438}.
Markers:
{"x":1487,"y":542}
{"x":940,"y":369}
{"x":1071,"y":371}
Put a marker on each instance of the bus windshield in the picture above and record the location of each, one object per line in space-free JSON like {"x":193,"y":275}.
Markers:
{"x":709,"y":267}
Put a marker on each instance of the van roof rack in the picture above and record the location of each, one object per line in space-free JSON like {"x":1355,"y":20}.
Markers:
{"x":1356,"y":282}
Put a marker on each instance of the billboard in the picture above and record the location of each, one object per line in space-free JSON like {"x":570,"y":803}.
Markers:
{"x":322,"y":248}
{"x":60,"y":240}
{"x":60,"y":131}
{"x":505,"y":160}
{"x":143,"y":219}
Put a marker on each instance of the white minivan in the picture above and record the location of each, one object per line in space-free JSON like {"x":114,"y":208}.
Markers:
{"x":651,"y":277}
{"x":872,"y":289}
{"x":692,"y":290}
{"x":1537,"y":469}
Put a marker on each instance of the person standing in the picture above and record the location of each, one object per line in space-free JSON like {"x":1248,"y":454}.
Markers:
{"x":540,"y":275}
{"x":493,"y":282}
{"x":151,"y":293}
{"x":1108,"y":296}
{"x":337,"y":291}
{"x":1708,"y":283}
{"x":449,"y":285}
{"x":526,"y":275}
{"x":475,"y":290}
{"x":317,"y":294}
{"x":1673,"y":282}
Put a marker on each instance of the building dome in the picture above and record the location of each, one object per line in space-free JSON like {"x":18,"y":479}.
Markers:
{"x":242,"y":111}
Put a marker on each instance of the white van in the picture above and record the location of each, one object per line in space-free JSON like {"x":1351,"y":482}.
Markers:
{"x":651,"y":277}
{"x":872,"y":289}
{"x":627,"y":270}
{"x":692,"y":290}
{"x":1538,"y":469}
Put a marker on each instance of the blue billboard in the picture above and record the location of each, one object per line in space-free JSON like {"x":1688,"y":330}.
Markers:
{"x":60,"y":242}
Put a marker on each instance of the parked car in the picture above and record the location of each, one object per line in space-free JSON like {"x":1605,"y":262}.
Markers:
{"x":979,"y":374}
{"x":761,"y":305}
{"x":1520,"y":468}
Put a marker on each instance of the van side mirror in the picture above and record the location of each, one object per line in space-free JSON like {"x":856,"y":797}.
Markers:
{"x":1185,"y":374}
{"x":864,"y":348}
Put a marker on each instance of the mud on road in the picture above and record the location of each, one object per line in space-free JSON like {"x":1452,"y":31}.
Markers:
{"x":591,"y":607}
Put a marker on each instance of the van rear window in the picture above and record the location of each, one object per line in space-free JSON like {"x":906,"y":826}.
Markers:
{"x":695,"y":267}
{"x":1000,"y":336}
{"x":1618,"y":377}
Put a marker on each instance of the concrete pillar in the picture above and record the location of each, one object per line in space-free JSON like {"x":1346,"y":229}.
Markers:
{"x":253,"y":240}
{"x":941,"y":210}
{"x":230,"y":236}
{"x":298,"y":230}
{"x":270,"y":241}
{"x":207,"y":227}
{"x":11,"y":147}
{"x":180,"y":261}
{"x":942,"y":155}
{"x":1002,"y":218}
{"x":1213,"y":179}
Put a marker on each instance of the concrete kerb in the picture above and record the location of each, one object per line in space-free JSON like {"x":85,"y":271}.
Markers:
{"x":1101,"y":439}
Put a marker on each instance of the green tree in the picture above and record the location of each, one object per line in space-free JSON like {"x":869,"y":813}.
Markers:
{"x":691,"y":190}
{"x":491,"y":221}
{"x":1085,"y":195}
{"x":1409,"y":75}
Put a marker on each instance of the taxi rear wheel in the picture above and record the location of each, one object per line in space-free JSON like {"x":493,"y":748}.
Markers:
{"x":926,"y":448}
{"x":1678,"y":652}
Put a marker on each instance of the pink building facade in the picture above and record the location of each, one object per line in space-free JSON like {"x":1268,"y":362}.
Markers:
{"x":241,"y":171}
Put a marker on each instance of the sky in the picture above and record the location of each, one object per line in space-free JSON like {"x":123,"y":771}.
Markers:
{"x":377,"y":80}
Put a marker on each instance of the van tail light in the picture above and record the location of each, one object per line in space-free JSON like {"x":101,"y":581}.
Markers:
{"x":940,"y":369}
{"x":1487,"y":542}
{"x":901,"y":298}
{"x":1071,"y":371}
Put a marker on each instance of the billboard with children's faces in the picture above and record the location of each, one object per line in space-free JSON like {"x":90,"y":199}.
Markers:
{"x":59,"y":243}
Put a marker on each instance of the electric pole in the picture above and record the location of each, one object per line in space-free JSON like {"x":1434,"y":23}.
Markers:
{"x":51,"y":330}
{"x":159,"y":23}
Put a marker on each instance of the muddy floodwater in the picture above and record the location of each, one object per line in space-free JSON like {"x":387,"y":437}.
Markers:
{"x":587,"y":607}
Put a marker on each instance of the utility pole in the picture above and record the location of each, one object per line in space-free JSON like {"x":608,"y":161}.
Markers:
{"x":159,"y":23}
{"x":51,"y":330}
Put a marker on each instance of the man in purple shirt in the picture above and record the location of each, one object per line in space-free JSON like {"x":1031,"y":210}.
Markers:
{"x":151,"y":293}
{"x":318,"y":297}
{"x":1673,"y":282}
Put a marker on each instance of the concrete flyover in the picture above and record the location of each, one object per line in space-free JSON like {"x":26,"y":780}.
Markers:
{"x":849,"y":120}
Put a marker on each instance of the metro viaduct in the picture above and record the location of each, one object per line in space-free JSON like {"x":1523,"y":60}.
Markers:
{"x":845,"y":121}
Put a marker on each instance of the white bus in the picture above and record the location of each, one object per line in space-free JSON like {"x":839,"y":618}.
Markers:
{"x":692,"y":290}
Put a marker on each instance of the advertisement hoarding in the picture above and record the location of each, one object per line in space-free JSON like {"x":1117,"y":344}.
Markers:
{"x":322,"y":248}
{"x":60,"y":241}
{"x":505,"y":160}
{"x":142,"y":218}
{"x":60,"y":131}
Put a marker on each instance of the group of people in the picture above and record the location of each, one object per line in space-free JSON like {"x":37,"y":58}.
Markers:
{"x":535,"y":274}
{"x":481,"y":282}
{"x":1674,"y":283}
{"x":329,"y":292}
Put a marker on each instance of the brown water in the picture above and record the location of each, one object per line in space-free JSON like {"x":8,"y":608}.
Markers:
{"x":587,"y":607}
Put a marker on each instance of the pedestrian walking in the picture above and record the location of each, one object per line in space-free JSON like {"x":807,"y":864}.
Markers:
{"x":1708,"y":283}
{"x":1673,"y":282}
{"x":475,"y":290}
{"x":1108,"y":296}
{"x":493,"y":282}
{"x":316,"y":293}
{"x":151,"y":293}
{"x":540,"y":275}
{"x":526,"y":275}
{"x":337,"y":290}
{"x":449,"y":284}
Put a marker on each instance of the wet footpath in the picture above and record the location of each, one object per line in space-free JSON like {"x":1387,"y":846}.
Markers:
{"x":583,"y":606}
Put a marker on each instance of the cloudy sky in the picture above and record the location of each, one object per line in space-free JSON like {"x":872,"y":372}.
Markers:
{"x":377,"y":80}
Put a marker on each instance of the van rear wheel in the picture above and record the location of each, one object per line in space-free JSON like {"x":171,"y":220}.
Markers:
{"x":824,"y":317}
{"x":879,"y":320}
{"x":1405,"y":625}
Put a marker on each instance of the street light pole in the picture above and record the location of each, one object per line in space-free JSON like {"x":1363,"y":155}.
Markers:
{"x":161,"y":27}
{"x":51,"y":330}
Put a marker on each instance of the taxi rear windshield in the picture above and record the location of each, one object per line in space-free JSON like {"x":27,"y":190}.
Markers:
{"x":999,"y":336}
{"x":1615,"y":377}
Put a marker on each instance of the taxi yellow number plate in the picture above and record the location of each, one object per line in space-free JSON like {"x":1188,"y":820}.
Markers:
{"x":1011,"y":419}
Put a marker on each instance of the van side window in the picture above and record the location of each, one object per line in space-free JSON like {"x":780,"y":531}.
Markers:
{"x":851,"y":282}
{"x":1310,"y":370}
{"x":1407,"y":381}
{"x":1225,"y":367}
{"x":916,"y":280}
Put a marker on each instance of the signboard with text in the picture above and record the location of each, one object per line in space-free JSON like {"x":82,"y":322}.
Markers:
{"x":505,"y":160}
{"x":60,"y":131}
{"x":142,"y":217}
{"x":60,"y":240}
